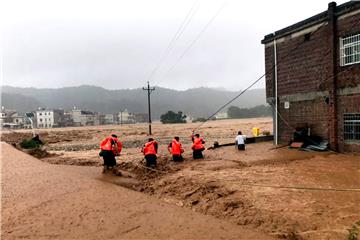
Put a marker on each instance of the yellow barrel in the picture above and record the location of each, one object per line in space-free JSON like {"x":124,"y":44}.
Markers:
{"x":256,"y":131}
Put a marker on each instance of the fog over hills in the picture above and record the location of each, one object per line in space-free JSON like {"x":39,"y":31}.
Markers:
{"x":197,"y":102}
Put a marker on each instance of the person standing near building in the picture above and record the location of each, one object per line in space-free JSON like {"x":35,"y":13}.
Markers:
{"x":150,"y":150}
{"x":240,"y":141}
{"x":175,"y":148}
{"x":109,"y":148}
{"x":198,"y":146}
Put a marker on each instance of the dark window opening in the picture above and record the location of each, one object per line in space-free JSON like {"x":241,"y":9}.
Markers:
{"x":352,"y":126}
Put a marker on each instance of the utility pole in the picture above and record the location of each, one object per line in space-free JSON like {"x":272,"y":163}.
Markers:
{"x":149,"y":90}
{"x":121,"y":122}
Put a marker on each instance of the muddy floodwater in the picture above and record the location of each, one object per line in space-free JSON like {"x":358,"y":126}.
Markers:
{"x":279,"y":193}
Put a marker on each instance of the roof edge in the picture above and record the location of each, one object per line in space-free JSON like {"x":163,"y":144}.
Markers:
{"x":318,"y":18}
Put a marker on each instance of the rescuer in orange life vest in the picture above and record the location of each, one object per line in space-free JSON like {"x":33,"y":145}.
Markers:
{"x":150,"y":150}
{"x":110,"y":147}
{"x":175,"y":148}
{"x":197,"y":146}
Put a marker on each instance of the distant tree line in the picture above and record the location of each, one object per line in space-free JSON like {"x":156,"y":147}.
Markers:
{"x":258,"y":111}
{"x":172,"y":117}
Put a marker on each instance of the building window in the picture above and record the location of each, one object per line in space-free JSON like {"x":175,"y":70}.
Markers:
{"x":350,"y":50}
{"x":352,"y":126}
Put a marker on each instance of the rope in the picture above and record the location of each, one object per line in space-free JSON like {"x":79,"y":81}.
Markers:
{"x":300,"y":187}
{"x":152,"y":169}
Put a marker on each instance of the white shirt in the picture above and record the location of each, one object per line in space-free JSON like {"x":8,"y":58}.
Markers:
{"x":240,"y":139}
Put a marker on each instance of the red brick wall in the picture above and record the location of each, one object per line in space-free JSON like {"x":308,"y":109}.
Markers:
{"x":300,"y":68}
{"x":300,"y":114}
{"x":347,"y":104}
{"x":269,"y":57}
{"x":307,"y":68}
{"x":349,"y":76}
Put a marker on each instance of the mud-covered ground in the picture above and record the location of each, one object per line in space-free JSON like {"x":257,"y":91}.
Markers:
{"x":285,"y":193}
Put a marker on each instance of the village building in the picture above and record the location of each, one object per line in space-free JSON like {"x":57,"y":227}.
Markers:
{"x":313,"y":77}
{"x":189,"y":118}
{"x":67,"y":120}
{"x":109,"y":119}
{"x":221,"y":115}
{"x":126,"y":117}
{"x":2,"y":118}
{"x":84,"y":118}
{"x":11,"y":119}
{"x":141,"y":117}
{"x":17,"y":119}
{"x":46,"y":118}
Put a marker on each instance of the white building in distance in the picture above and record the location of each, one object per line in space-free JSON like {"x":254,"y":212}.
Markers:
{"x":109,"y":119}
{"x":44,"y":118}
{"x":222,"y":115}
{"x":49,"y":118}
{"x":126,"y":117}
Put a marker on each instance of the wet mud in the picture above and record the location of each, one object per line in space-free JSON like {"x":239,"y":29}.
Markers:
{"x":288,"y":194}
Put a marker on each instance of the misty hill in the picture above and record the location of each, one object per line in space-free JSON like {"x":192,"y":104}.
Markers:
{"x":197,"y":102}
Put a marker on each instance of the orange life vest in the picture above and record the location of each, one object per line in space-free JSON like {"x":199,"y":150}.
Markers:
{"x":149,"y":148}
{"x":175,"y":147}
{"x":197,"y":144}
{"x":106,"y":144}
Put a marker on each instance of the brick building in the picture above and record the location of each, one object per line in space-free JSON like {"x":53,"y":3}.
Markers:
{"x":318,"y":76}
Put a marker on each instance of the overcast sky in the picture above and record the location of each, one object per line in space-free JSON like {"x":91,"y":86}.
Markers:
{"x":117,"y":44}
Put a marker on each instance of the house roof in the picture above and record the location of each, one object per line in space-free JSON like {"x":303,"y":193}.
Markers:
{"x":86,"y":112}
{"x":318,"y":18}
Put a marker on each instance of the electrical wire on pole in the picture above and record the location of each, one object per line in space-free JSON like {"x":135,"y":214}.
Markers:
{"x":178,"y":34}
{"x":261,"y":77}
{"x":195,"y":39}
{"x":149,"y":90}
{"x":271,"y":69}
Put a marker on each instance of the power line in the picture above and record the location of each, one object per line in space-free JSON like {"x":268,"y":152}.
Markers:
{"x":271,"y":69}
{"x":195,"y":40}
{"x":262,"y":76}
{"x":233,"y":99}
{"x":242,"y":92}
{"x":178,"y":34}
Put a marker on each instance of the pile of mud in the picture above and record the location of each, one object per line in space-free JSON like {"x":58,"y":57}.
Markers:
{"x":39,"y":153}
{"x":207,"y":197}
{"x":73,"y":147}
{"x":164,"y":166}
{"x":14,"y":138}
{"x":214,"y":199}
{"x":60,"y":160}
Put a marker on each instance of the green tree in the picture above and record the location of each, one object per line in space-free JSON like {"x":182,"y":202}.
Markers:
{"x":172,"y":117}
{"x":258,"y":111}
